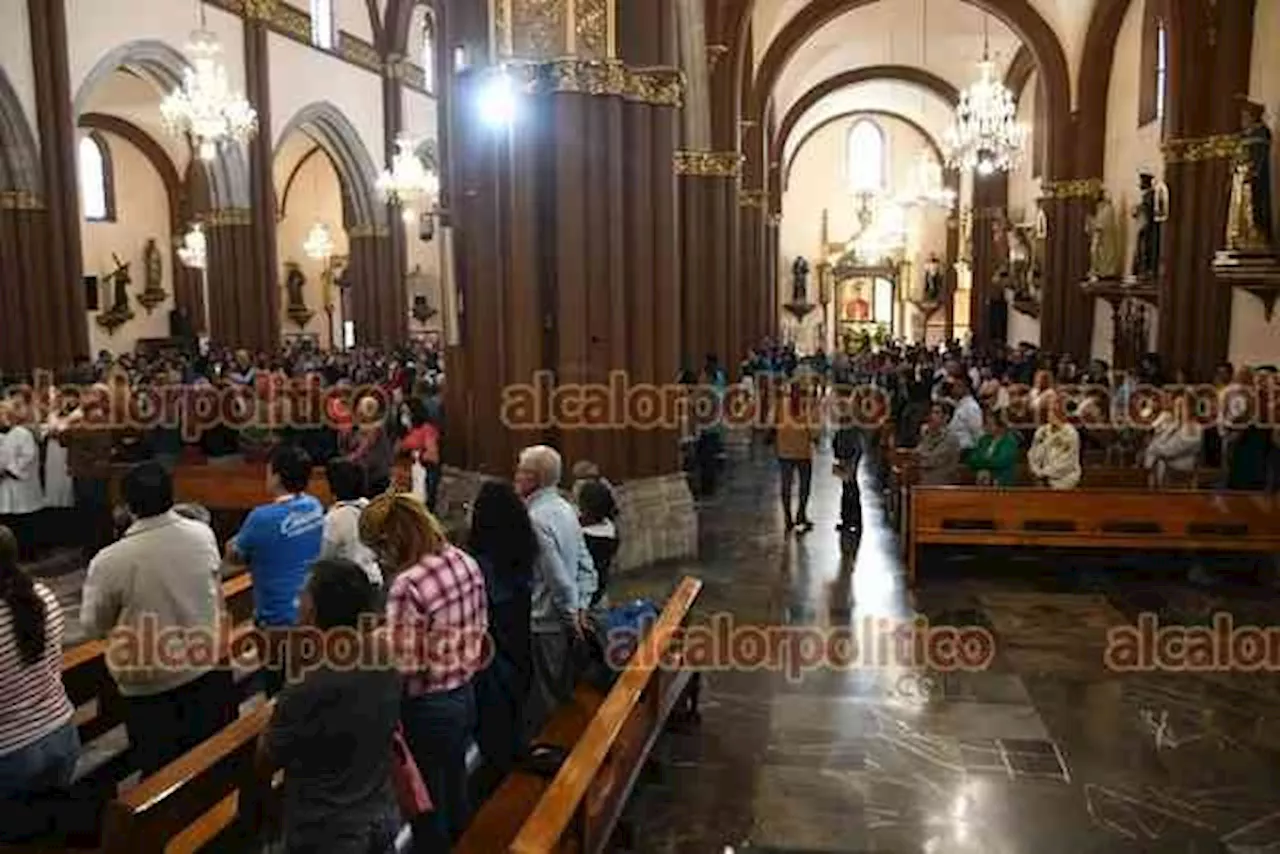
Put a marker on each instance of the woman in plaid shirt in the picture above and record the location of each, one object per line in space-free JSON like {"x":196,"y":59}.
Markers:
{"x":437,"y":613}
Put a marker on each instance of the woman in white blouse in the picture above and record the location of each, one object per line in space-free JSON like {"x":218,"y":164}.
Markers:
{"x":1174,"y":445}
{"x":341,"y":537}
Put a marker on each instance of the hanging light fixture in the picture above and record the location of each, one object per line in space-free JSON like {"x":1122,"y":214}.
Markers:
{"x":985,"y":134}
{"x":409,"y":181}
{"x":319,"y":244}
{"x":194,"y":251}
{"x":205,"y":106}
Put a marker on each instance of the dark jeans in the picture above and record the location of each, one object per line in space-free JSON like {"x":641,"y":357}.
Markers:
{"x":438,"y":727}
{"x":551,"y":656}
{"x":97,"y":531}
{"x":789,"y":469}
{"x":164,"y":726}
{"x":851,"y":502}
{"x":26,"y":529}
{"x":433,"y":485}
{"x":41,"y":767}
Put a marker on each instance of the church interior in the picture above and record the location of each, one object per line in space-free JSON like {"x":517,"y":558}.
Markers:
{"x":796,"y":425}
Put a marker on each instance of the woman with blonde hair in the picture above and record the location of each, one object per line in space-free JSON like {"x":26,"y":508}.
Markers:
{"x":437,"y":612}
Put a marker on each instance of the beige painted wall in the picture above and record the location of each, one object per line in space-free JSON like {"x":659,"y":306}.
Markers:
{"x":1253,"y":340}
{"x":15,"y":58}
{"x":142,"y":213}
{"x":315,"y":197}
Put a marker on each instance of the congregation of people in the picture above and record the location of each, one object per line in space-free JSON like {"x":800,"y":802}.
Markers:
{"x":487,"y":638}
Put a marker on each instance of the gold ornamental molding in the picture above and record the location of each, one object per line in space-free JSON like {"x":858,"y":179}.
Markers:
{"x":263,"y":10}
{"x":228,"y":217}
{"x":758,"y":199}
{"x":1080,"y":188}
{"x":708,"y":164}
{"x":365,"y":232}
{"x":715,"y":53}
{"x":1220,"y":147}
{"x":658,"y":86}
{"x":20,"y":200}
{"x":542,"y":30}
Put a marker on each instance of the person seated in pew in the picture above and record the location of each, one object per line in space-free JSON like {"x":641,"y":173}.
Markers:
{"x":1174,"y":445}
{"x":161,"y":579}
{"x":331,"y":732}
{"x":995,"y":457}
{"x":38,"y":741}
{"x":966,"y":418}
{"x":1054,"y":456}
{"x":277,"y":542}
{"x":341,"y":537}
{"x":503,"y":543}
{"x":437,"y":612}
{"x":937,"y":453}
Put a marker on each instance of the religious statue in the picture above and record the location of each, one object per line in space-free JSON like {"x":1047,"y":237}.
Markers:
{"x":799,"y":280}
{"x":120,"y":279}
{"x":1104,"y":239}
{"x":154,"y":293}
{"x":1152,"y":212}
{"x":966,"y":236}
{"x":1249,"y":223}
{"x":294,"y":282}
{"x":933,"y":279}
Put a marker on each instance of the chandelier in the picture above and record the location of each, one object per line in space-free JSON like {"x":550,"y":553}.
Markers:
{"x":205,"y":106}
{"x":409,"y":181}
{"x":194,"y":251}
{"x":319,"y":244}
{"x":985,"y":134}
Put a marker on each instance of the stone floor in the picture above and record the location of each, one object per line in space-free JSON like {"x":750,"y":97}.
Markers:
{"x":1044,"y":751}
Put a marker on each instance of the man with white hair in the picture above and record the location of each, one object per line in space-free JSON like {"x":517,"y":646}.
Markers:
{"x":564,"y":582}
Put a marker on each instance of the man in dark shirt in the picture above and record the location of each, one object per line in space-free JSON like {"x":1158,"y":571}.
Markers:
{"x":332,"y":731}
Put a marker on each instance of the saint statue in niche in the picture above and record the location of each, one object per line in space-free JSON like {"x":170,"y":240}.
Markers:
{"x":1104,"y":239}
{"x":1151,"y":213}
{"x":1250,"y":226}
{"x":799,"y":280}
{"x":932,"y":279}
{"x":294,"y":282}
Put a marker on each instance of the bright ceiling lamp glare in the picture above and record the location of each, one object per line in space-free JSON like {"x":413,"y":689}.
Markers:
{"x":499,"y":103}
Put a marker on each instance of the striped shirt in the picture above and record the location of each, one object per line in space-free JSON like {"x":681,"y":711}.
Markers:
{"x":438,"y":613}
{"x":33,"y":703}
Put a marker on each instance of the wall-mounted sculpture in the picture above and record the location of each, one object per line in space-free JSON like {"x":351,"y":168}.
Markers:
{"x":296,"y":305}
{"x":1151,"y":213}
{"x":120,"y":313}
{"x":154,"y":293}
{"x":1104,"y":239}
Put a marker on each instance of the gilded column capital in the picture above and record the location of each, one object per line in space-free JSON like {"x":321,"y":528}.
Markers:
{"x":658,"y":86}
{"x":365,"y":232}
{"x":1194,"y":150}
{"x":260,"y":10}
{"x":224,"y":217}
{"x":541,"y":30}
{"x":20,"y":200}
{"x":1080,"y":188}
{"x":757,"y":199}
{"x":715,"y":53}
{"x":708,"y":164}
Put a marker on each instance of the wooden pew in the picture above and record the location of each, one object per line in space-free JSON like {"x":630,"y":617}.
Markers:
{"x":611,"y":737}
{"x":215,"y":795}
{"x":1090,"y":518}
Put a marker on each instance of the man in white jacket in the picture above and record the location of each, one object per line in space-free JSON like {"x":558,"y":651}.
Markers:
{"x":21,"y":496}
{"x":1054,"y":458}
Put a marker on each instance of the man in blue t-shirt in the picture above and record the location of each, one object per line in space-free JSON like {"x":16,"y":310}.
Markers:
{"x":278,"y":542}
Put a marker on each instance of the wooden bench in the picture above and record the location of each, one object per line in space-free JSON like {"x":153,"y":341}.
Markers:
{"x":611,"y":736}
{"x":1090,"y":518}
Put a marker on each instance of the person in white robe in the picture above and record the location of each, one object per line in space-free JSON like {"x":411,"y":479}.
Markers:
{"x":21,"y":496}
{"x":58,"y":491}
{"x":1054,"y":458}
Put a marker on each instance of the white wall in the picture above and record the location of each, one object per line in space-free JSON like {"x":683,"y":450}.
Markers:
{"x":1253,"y":340}
{"x":353,"y":17}
{"x":15,"y":58}
{"x":302,"y":75}
{"x":315,"y":196}
{"x":142,"y":213}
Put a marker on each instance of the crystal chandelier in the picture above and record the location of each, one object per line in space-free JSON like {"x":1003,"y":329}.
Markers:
{"x":194,"y":251}
{"x":985,"y":134}
{"x":205,"y":106}
{"x":319,"y":244}
{"x":409,"y":181}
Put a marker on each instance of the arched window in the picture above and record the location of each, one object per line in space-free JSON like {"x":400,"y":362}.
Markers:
{"x":865,"y":157}
{"x":1154,"y":78}
{"x":322,"y":24}
{"x":97,"y":184}
{"x":428,"y":56}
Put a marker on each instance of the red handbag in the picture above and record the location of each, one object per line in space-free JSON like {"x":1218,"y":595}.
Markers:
{"x":411,"y":790}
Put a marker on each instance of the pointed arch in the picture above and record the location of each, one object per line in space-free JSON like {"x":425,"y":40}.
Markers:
{"x":19,"y":156}
{"x":326,"y":126}
{"x":163,"y":66}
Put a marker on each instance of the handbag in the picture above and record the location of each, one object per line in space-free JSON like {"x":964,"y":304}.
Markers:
{"x":411,"y":790}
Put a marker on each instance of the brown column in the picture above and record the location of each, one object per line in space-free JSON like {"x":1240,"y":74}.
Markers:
{"x":235,"y":305}
{"x":712,"y":321}
{"x":373,"y":297}
{"x":394,"y":325}
{"x":261,"y":328}
{"x":1066,"y":320}
{"x":752,"y":287}
{"x":57,"y":307}
{"x":989,"y":195}
{"x":24,"y":268}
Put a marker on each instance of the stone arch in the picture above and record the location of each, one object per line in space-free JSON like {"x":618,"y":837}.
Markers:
{"x":19,"y":156}
{"x":162,"y":65}
{"x":327,"y":127}
{"x":399,"y":21}
{"x":1019,"y":15}
{"x":847,"y":114}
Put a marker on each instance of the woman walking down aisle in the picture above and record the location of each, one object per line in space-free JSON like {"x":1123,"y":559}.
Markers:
{"x":795,"y":440}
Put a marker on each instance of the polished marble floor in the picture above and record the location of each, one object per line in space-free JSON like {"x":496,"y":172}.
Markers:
{"x":1045,"y":750}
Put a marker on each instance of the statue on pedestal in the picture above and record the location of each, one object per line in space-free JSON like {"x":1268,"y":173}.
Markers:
{"x":799,"y":280}
{"x":1151,"y":213}
{"x":1249,"y":223}
{"x":933,"y":280}
{"x":1104,"y":239}
{"x":296,"y":306}
{"x":120,"y":303}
